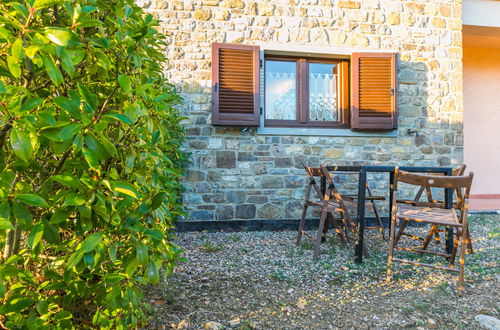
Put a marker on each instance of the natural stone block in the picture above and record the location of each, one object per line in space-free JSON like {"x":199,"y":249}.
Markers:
{"x":246,"y":157}
{"x":236,"y":196}
{"x":245,"y":211}
{"x":234,"y":4}
{"x":333,"y":153}
{"x":269,"y":212}
{"x":283,"y":162}
{"x":438,"y":22}
{"x":294,"y":181}
{"x":202,"y":215}
{"x":393,"y":18}
{"x":226,"y":159}
{"x":266,"y":9}
{"x":257,"y":199}
{"x":224,"y":213}
{"x":349,"y":4}
{"x":202,"y":15}
{"x":194,"y":175}
{"x":272,"y":182}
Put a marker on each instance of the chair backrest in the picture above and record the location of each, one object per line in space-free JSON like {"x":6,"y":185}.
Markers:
{"x":460,"y":183}
{"x":459,"y":171}
{"x":313,"y":172}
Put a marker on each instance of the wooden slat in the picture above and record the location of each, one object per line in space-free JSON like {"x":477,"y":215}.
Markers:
{"x":411,"y":262}
{"x":235,"y":85}
{"x":373,"y":103}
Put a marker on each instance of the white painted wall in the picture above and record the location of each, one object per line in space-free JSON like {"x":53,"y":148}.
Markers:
{"x":481,"y":12}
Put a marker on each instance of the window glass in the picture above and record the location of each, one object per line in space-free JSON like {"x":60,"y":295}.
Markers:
{"x":281,"y":90}
{"x":323,"y":92}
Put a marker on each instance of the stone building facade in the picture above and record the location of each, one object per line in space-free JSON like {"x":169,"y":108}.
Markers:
{"x":241,"y":173}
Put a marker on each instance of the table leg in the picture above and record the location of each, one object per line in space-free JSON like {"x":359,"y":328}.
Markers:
{"x":391,"y":195}
{"x":361,"y":215}
{"x":448,"y":203}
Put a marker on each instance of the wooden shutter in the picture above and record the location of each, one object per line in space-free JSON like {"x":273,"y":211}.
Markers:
{"x":235,"y":85}
{"x":374,"y":91}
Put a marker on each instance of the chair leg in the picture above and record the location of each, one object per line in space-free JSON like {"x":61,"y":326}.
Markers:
{"x":462,"y":260}
{"x":469,"y":243}
{"x":320,"y":233}
{"x":400,"y":231}
{"x":454,"y":252}
{"x":391,"y":249}
{"x":338,"y":230}
{"x":301,"y":226}
{"x":377,"y":216}
{"x":428,"y":239}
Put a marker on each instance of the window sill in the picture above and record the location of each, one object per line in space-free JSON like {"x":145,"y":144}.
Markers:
{"x":323,"y":132}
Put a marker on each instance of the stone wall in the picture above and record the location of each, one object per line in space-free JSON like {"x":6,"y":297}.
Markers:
{"x":236,"y":173}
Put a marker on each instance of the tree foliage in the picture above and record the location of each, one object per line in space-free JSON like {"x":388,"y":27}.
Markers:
{"x":90,"y":161}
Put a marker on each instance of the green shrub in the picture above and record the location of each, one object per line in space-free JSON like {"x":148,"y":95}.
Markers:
{"x":90,"y":161}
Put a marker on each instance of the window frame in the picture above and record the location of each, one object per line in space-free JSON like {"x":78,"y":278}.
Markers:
{"x":302,"y":98}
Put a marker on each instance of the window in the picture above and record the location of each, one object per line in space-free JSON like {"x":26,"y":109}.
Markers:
{"x":303,"y":92}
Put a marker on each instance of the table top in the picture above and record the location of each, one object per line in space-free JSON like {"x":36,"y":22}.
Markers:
{"x":384,"y":168}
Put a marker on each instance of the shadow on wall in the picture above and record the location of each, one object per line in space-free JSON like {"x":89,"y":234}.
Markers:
{"x":235,"y":173}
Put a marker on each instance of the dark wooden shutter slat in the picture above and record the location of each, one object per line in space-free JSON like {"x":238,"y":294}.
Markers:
{"x":235,"y":85}
{"x":374,"y":97}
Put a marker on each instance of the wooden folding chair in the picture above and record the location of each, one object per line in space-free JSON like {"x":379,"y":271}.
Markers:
{"x":434,"y":231}
{"x":434,"y":215}
{"x":317,"y":200}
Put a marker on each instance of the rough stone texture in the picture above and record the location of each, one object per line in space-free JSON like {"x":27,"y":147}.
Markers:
{"x":234,"y":169}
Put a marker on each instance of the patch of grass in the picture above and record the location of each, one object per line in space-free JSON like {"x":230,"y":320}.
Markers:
{"x":422,"y":306}
{"x":278,"y":275}
{"x":209,"y":246}
{"x":234,"y":238}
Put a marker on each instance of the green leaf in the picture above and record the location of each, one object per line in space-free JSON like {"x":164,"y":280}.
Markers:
{"x":42,"y":307}
{"x":60,"y":36}
{"x":91,"y":242}
{"x":39,"y":4}
{"x":90,"y":157}
{"x":120,"y":117}
{"x":22,"y":215}
{"x":67,"y":180}
{"x":89,"y":260}
{"x":90,"y":99}
{"x":14,"y":66}
{"x":35,"y":235}
{"x":52,"y":70}
{"x":5,"y":216}
{"x":73,"y":199}
{"x":113,"y":278}
{"x":51,"y":233}
{"x":158,"y":200}
{"x":112,"y":252}
{"x":69,"y":131}
{"x":153,"y":273}
{"x":21,"y":144}
{"x":74,"y":259}
{"x":59,"y":216}
{"x":67,"y":64}
{"x":131,"y":267}
{"x":70,"y":105}
{"x":125,"y":188}
{"x":17,"y":49}
{"x":16,"y":305}
{"x":31,"y":104}
{"x":141,"y":253}
{"x":32,"y":199}
{"x":124,"y":82}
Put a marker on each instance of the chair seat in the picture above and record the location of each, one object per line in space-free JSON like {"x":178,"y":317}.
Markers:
{"x":438,"y":216}
{"x":367,"y":198}
{"x":334,"y":205}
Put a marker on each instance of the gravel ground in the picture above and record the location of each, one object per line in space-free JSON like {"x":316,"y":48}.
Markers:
{"x":261,"y":280}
